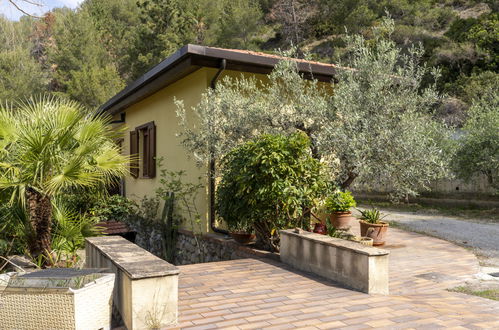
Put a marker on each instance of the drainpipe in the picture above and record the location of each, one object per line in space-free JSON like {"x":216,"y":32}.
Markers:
{"x":212,"y":165}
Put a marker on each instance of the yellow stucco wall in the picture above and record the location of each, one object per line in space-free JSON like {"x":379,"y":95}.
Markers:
{"x":161,"y":109}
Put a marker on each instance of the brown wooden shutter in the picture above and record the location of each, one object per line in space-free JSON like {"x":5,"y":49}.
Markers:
{"x":151,"y":135}
{"x":134,"y":153}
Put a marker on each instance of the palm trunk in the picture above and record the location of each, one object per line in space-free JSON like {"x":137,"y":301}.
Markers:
{"x":40,"y":218}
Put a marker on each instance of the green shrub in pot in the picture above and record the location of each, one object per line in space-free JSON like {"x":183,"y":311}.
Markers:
{"x":338,"y":205}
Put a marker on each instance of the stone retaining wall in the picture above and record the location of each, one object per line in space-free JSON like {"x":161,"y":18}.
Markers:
{"x":190,"y":248}
{"x":193,"y":249}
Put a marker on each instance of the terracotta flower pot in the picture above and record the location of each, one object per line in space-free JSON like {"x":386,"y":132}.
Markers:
{"x":242,"y":237}
{"x":341,"y":220}
{"x":377,"y":231}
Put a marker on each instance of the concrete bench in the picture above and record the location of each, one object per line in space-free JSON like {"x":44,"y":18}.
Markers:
{"x":354,"y":265}
{"x":146,"y":287}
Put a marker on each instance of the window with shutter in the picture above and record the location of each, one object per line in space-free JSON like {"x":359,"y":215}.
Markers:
{"x":151,"y":134}
{"x":146,"y":147}
{"x":134,"y":154}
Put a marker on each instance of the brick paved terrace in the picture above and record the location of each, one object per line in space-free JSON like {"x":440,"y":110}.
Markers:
{"x":263,"y":293}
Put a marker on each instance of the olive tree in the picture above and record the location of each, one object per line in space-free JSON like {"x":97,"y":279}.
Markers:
{"x":374,"y":125}
{"x":478,"y":151}
{"x":242,"y":108}
{"x":382,"y":127}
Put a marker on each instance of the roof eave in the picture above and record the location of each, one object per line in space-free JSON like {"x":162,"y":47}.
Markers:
{"x":190,"y":58}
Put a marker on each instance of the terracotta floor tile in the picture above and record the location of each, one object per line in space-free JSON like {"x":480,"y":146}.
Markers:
{"x":262,"y":293}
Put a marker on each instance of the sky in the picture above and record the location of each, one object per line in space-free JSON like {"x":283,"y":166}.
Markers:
{"x":9,"y":11}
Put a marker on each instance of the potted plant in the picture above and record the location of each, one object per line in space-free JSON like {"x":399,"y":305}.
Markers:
{"x":333,"y":232}
{"x":241,"y":232}
{"x":371,"y":225}
{"x":338,"y":207}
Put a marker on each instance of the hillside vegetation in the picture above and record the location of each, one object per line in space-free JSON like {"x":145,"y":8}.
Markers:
{"x":90,"y":53}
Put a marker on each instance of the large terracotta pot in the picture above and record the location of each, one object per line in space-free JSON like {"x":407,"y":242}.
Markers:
{"x":341,"y":220}
{"x":242,"y":237}
{"x":377,"y":231}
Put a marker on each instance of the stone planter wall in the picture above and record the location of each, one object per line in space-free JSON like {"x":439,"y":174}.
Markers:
{"x":146,"y":288}
{"x":354,"y":265}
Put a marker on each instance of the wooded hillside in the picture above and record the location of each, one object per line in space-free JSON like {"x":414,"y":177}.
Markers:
{"x":90,"y":53}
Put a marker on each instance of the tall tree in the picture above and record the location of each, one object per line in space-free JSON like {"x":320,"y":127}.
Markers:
{"x":292,"y":15}
{"x":20,"y":74}
{"x":478,"y":151}
{"x":238,"y":22}
{"x":383,"y":130}
{"x":83,"y":68}
{"x":115,"y":21}
{"x":165,"y":26}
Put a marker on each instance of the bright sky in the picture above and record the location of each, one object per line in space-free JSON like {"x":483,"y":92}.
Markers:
{"x":9,"y":11}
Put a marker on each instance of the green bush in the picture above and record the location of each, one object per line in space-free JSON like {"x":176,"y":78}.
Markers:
{"x":340,"y":202}
{"x":269,"y":183}
{"x":114,"y":207}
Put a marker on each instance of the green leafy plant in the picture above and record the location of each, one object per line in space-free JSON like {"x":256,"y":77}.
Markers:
{"x":113,"y":207}
{"x":331,"y":230}
{"x":50,"y":146}
{"x":270,"y":183}
{"x":372,"y":215}
{"x":70,"y":230}
{"x":179,"y":198}
{"x":339,"y":202}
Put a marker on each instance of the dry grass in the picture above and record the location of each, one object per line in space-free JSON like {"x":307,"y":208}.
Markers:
{"x":492,"y":293}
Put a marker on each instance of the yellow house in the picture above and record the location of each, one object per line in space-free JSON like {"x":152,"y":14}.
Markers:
{"x":146,"y":107}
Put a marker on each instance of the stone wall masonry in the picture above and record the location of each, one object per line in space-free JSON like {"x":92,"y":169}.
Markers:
{"x":191,"y":249}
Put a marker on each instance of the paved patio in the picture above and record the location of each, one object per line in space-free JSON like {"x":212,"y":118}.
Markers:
{"x":262,"y":293}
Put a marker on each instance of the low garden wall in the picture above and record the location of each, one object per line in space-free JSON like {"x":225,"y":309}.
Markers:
{"x":354,"y":265}
{"x":146,"y":287}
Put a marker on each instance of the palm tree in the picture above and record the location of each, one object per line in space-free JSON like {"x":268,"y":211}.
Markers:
{"x":49,"y":146}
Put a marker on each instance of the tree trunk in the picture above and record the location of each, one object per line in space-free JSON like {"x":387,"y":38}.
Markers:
{"x":348,"y":181}
{"x":264,"y":239}
{"x":40,"y":218}
{"x":313,"y":143}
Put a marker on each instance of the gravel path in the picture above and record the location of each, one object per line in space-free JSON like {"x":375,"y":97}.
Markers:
{"x":483,"y":238}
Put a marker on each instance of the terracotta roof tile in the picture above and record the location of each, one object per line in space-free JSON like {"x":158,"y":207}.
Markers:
{"x":278,"y":57}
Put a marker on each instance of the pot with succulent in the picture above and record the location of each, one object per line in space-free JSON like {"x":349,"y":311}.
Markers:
{"x":371,"y":225}
{"x":336,"y":233}
{"x":338,"y":207}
